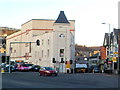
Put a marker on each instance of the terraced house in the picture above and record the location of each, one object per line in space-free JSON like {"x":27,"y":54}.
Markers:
{"x":112,"y":48}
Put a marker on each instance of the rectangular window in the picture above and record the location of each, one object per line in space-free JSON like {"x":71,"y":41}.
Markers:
{"x":42,"y":53}
{"x":48,"y":41}
{"x":61,"y":52}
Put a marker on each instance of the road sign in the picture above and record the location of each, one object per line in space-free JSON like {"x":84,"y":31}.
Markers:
{"x":114,"y":59}
{"x":111,"y":52}
{"x":109,"y":62}
{"x":115,"y":52}
{"x":67,"y":65}
{"x":2,"y":50}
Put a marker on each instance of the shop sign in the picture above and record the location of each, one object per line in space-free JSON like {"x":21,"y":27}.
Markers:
{"x":109,"y":62}
{"x":115,"y":52}
{"x":67,"y":65}
{"x":114,"y":59}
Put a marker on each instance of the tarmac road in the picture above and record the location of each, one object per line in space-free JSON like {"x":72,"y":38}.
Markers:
{"x":79,"y":80}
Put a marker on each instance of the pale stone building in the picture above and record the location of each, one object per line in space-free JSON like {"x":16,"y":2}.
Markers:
{"x":57,"y":43}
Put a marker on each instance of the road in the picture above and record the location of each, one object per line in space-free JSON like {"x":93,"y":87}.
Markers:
{"x":79,"y":80}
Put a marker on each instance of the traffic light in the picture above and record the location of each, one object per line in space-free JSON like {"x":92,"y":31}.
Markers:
{"x":54,"y":60}
{"x":61,"y":52}
{"x":62,"y":61}
{"x":71,"y":61}
{"x":100,"y":57}
{"x":8,"y":58}
{"x":3,"y":41}
{"x":65,"y":62}
{"x":3,"y":59}
{"x":115,"y":65}
{"x":38,"y":42}
{"x":107,"y":60}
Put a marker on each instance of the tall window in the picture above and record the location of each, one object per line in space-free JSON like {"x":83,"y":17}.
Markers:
{"x":48,"y":41}
{"x":42,"y":53}
{"x":42,"y":41}
{"x":48,"y":52}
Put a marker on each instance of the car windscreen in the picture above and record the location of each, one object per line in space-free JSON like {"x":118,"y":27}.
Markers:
{"x":24,"y":65}
{"x":36,"y":66}
{"x":96,"y":68}
{"x":49,"y":68}
{"x":29,"y":64}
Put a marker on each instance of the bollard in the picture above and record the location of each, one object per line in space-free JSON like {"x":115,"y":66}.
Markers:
{"x":93,"y":71}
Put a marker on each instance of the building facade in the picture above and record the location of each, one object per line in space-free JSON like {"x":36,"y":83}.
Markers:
{"x":112,"y":48}
{"x":55,"y":43}
{"x":4,"y":32}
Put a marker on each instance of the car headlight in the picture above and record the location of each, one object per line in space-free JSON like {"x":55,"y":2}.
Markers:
{"x":48,"y":71}
{"x":22,"y":68}
{"x":29,"y":67}
{"x":56,"y":71}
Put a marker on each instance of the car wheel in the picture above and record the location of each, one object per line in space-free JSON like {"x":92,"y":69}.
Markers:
{"x":40,"y":74}
{"x":45,"y":74}
{"x":54,"y":74}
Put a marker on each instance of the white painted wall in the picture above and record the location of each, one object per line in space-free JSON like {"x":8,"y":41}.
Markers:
{"x":55,"y":43}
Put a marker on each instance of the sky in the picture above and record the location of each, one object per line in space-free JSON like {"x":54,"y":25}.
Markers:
{"x":88,"y":15}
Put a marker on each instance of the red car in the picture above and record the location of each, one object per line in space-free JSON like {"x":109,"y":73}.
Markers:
{"x":47,"y":71}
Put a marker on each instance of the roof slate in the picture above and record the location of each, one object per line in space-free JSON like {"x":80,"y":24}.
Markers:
{"x":106,"y":38}
{"x":61,"y":18}
{"x":116,"y":33}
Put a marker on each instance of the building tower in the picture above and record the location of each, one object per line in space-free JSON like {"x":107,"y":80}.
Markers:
{"x":64,"y":49}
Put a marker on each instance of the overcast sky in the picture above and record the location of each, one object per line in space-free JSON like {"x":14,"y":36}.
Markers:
{"x":88,"y":16}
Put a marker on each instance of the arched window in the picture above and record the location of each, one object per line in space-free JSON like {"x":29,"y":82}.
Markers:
{"x":61,"y":35}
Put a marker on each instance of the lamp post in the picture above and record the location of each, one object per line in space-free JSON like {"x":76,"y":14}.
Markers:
{"x":118,"y":52}
{"x":109,"y":39}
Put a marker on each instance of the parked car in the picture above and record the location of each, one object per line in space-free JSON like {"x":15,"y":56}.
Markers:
{"x":89,"y":69}
{"x":81,"y":68}
{"x":35,"y":68}
{"x":29,"y":66}
{"x":48,"y":71}
{"x":96,"y":70}
{"x":23,"y":67}
{"x":12,"y":68}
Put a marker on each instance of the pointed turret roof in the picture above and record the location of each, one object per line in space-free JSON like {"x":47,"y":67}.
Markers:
{"x":61,"y":18}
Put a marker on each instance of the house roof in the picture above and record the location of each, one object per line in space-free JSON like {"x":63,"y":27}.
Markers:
{"x":106,"y":39}
{"x":61,"y":18}
{"x":116,"y":33}
{"x":111,"y":37}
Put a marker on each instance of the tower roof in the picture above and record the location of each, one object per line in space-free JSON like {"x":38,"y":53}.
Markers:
{"x":61,"y":18}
